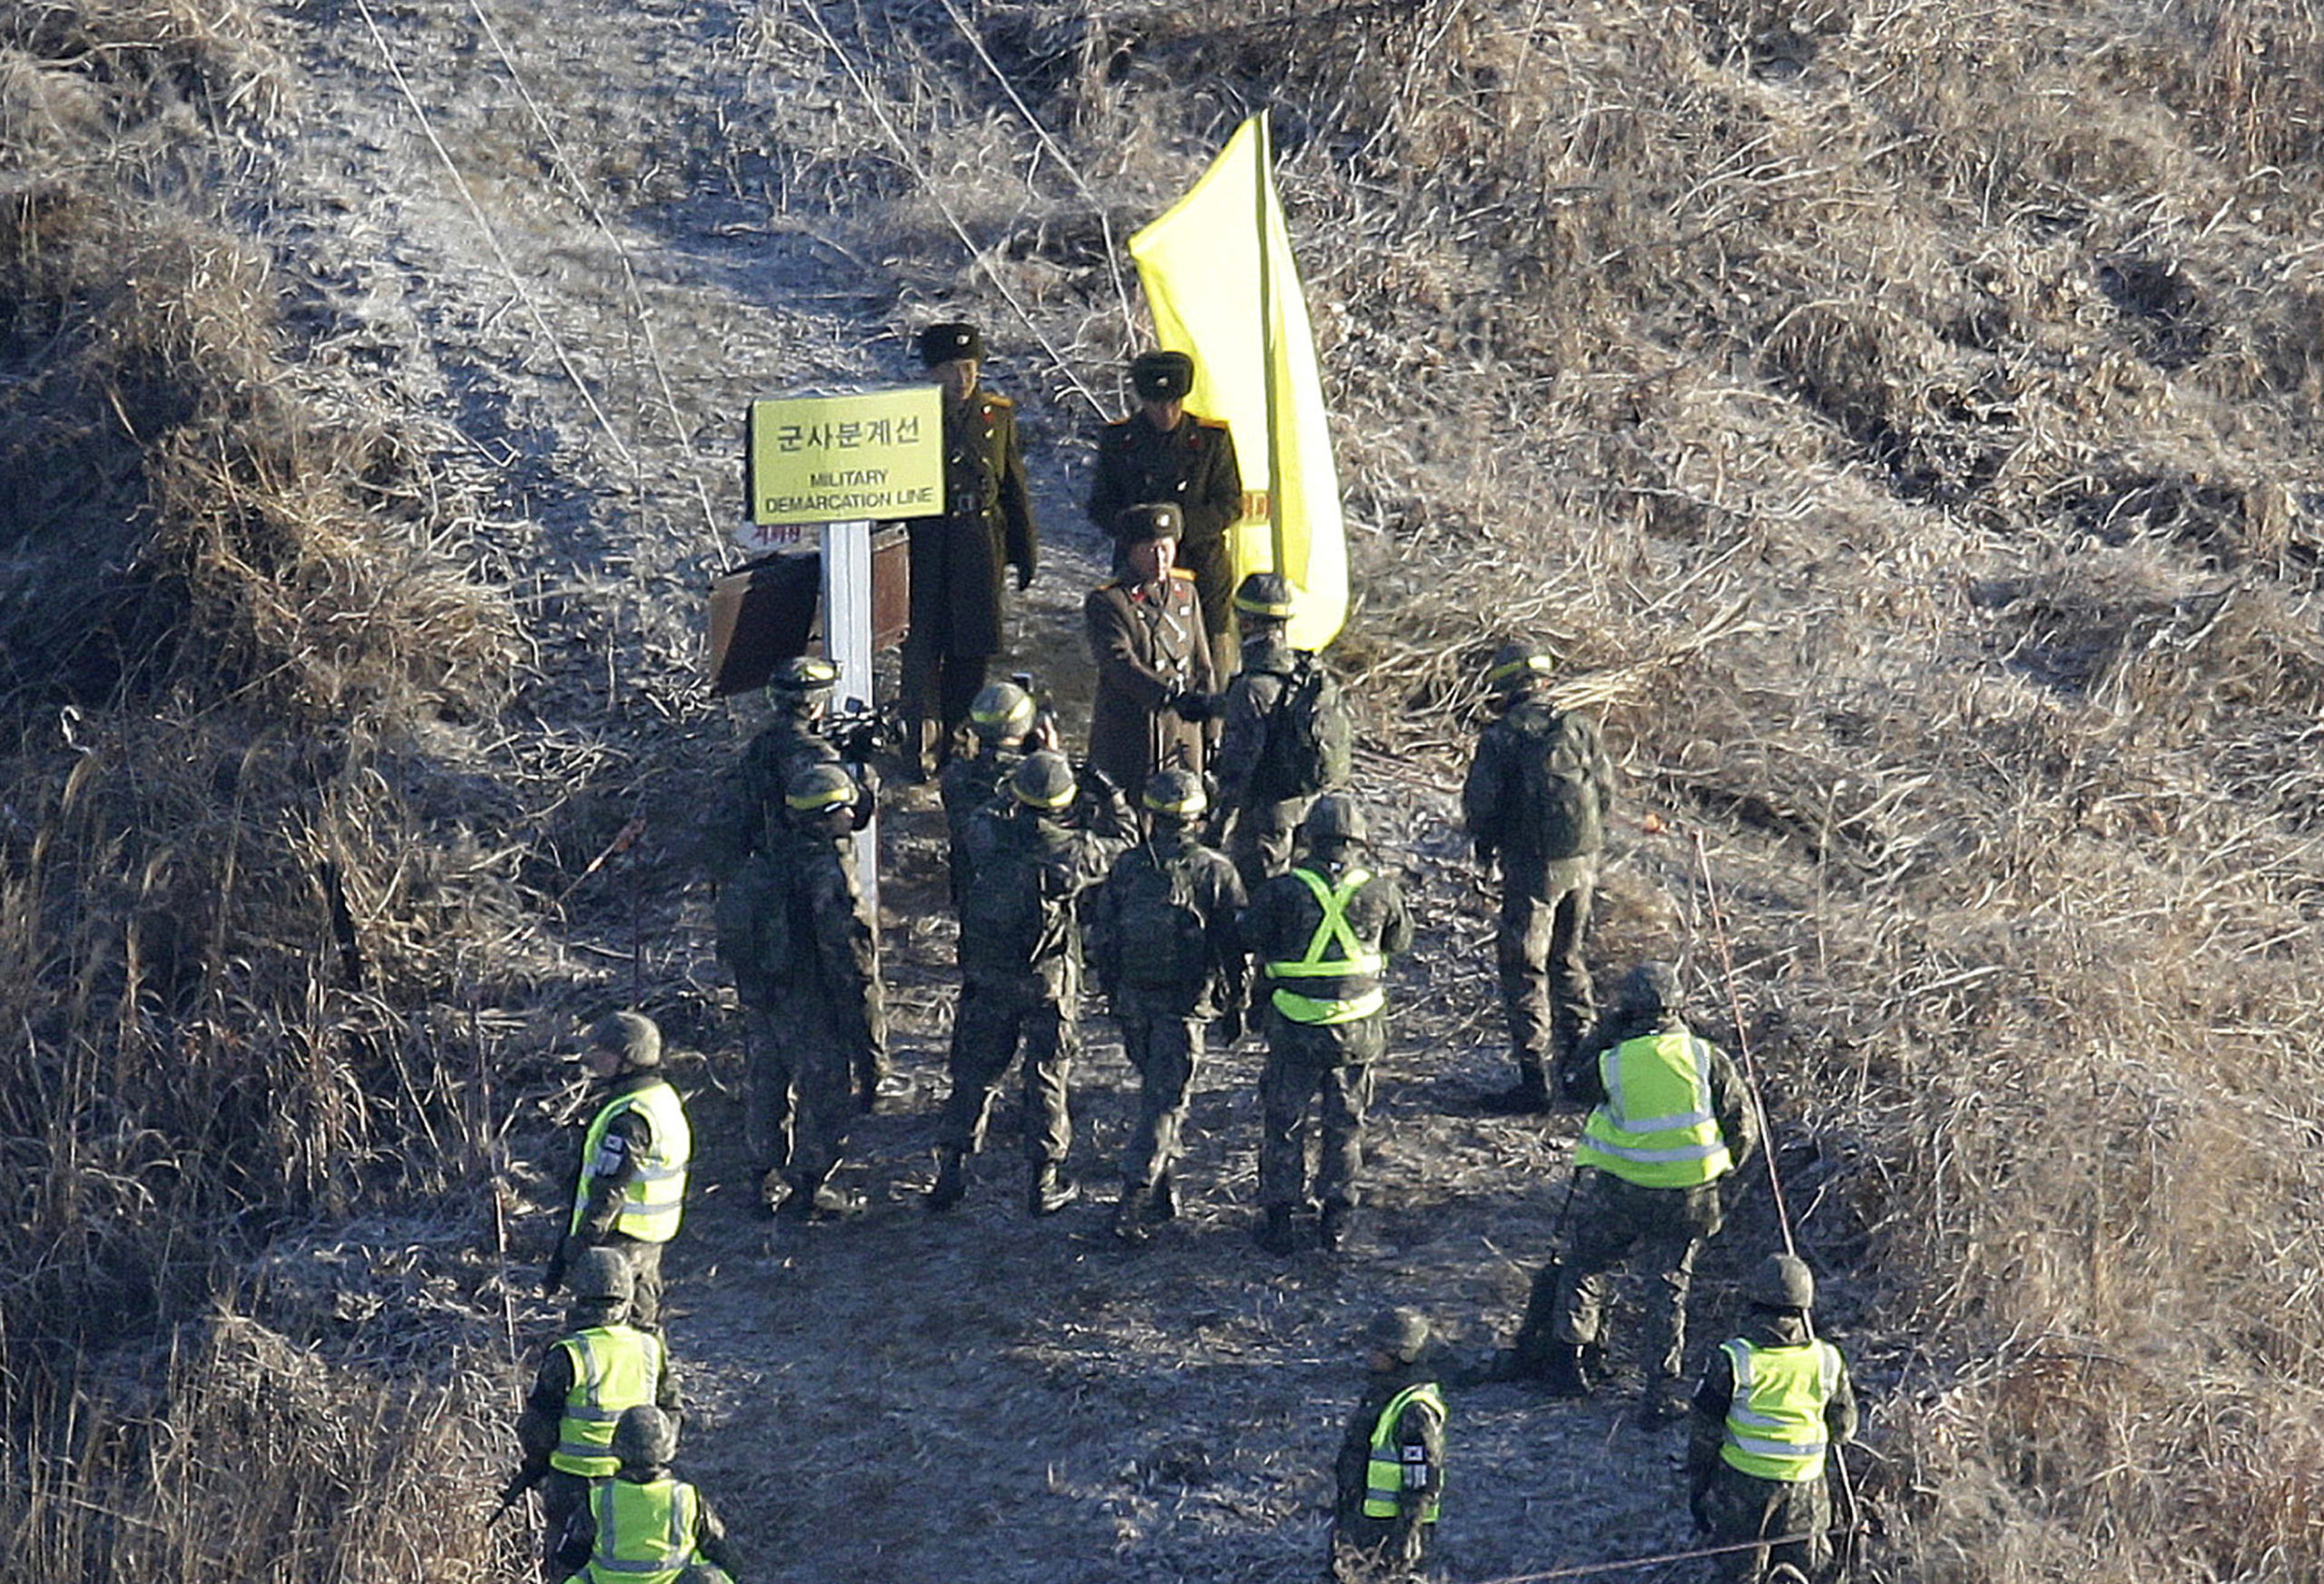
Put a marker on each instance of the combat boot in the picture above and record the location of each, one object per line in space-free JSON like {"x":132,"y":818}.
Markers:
{"x":1276,"y":1234}
{"x":1166,"y":1199}
{"x":952,"y":1184}
{"x":1050,"y":1190}
{"x":1130,"y":1215}
{"x":1337,"y":1222}
{"x":1561,"y":1373}
{"x":1528,"y":1097}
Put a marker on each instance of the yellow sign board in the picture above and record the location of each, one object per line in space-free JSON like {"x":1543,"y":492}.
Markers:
{"x":877,"y":456}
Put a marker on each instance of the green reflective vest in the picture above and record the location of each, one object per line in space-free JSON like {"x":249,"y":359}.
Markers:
{"x":614,"y":1367}
{"x":1657,"y":1128}
{"x":644,"y":1531}
{"x":1384,"y":1473}
{"x":1774,"y":1418}
{"x":656,"y":1195}
{"x":1334,"y":955}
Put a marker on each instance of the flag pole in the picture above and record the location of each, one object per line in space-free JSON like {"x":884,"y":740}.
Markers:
{"x":1264,"y":172}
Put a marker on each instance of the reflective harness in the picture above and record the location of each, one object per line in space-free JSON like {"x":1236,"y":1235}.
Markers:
{"x":1357,"y":994}
{"x":645,"y":1531}
{"x":654,"y":1197}
{"x":1386,"y":1475}
{"x":1774,"y":1417}
{"x":615,"y":1367}
{"x":1657,"y":1128}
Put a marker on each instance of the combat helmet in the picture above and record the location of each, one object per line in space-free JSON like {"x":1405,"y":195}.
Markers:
{"x":1334,"y":817}
{"x":1176,"y":794}
{"x":1515,"y":667}
{"x":1043,"y":780}
{"x":1651,"y":990}
{"x":805,"y":679}
{"x":1003,"y":710}
{"x":600,"y":1274}
{"x":630,"y":1034}
{"x":1401,"y":1334}
{"x":818,"y":787}
{"x":1783,"y":1281}
{"x":1266,"y":595}
{"x":645,"y":1438}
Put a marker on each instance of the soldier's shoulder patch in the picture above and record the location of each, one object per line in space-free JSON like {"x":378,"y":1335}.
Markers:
{"x":1183,"y":572}
{"x":1111,"y":583}
{"x":1210,"y":423}
{"x":996,"y":402}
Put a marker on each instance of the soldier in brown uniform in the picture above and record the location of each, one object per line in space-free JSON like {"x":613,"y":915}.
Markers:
{"x":1163,"y":452}
{"x":956,"y":559}
{"x":1146,"y":640}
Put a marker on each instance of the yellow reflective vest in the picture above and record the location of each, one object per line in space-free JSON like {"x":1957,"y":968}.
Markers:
{"x":1335,"y":962}
{"x":1383,"y":1473}
{"x":1657,"y":1128}
{"x":615,"y":1367}
{"x":1774,"y":1417}
{"x":644,"y":1531}
{"x":654,"y":1196}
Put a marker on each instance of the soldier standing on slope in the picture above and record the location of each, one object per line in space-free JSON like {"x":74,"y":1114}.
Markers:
{"x":1164,"y":942}
{"x":1162,"y":452}
{"x":629,"y":1189}
{"x":1391,"y":1468}
{"x":957,"y":559}
{"x":752,"y":803}
{"x":1005,"y":723}
{"x":1537,"y":797}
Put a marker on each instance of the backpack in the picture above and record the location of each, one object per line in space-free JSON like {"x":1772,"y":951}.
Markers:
{"x":753,"y":917}
{"x":1161,"y":941}
{"x":1311,"y":743}
{"x":1003,"y":912}
{"x":1562,"y":796}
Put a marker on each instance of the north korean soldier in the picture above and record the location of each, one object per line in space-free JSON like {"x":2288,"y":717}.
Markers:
{"x":1145,"y":639}
{"x":642,"y":1525}
{"x":1169,"y":953}
{"x":1288,"y":737}
{"x":1162,"y":452}
{"x":1321,"y":936}
{"x":1005,"y":724}
{"x":752,"y":803}
{"x":1774,"y":1409}
{"x":603,"y":1365}
{"x":956,"y":560}
{"x":1538,"y":797}
{"x":1022,"y":868}
{"x":1391,"y":1468}
{"x":806,"y":960}
{"x":1671,"y":1118}
{"x":629,"y":1190}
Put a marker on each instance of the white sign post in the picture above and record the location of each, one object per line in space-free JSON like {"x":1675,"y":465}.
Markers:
{"x":847,"y":644}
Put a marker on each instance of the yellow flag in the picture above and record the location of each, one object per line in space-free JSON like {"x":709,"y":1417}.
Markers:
{"x":1220,"y":279}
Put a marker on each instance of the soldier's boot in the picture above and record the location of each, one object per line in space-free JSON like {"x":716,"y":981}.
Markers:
{"x":1130,"y":1215}
{"x":952,"y":1184}
{"x":1561,"y":1373}
{"x":1529,"y":1096}
{"x":1665,"y":1399}
{"x":1331,"y":1232}
{"x":1050,"y":1190}
{"x":1166,"y":1198}
{"x":1275,"y":1234}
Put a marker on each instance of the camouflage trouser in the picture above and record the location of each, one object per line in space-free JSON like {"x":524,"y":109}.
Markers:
{"x":1286,"y":1086}
{"x":986,"y":1031}
{"x":1614,"y":1220}
{"x":562,"y":1496}
{"x":1166,"y":1050}
{"x":1260,"y":842}
{"x":802,"y":1090}
{"x":1740,"y":1508}
{"x":1373,"y":1550}
{"x":1545,"y":989}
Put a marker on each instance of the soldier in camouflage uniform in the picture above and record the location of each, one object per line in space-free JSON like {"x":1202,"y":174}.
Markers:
{"x":629,"y":1181}
{"x":752,"y":803}
{"x":1164,"y":943}
{"x":1771,"y":1414}
{"x":957,"y":559}
{"x":1391,"y":1467}
{"x":1004,"y":722}
{"x":1672,"y":1119}
{"x":798,"y":936}
{"x":1021,"y":870}
{"x":1537,"y":797}
{"x":1321,"y":936}
{"x":1263,"y":794}
{"x":1162,"y":452}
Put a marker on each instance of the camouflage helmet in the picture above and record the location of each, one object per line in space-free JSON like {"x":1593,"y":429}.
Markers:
{"x":1334,"y":817}
{"x":1401,"y":1334}
{"x":1175,"y":795}
{"x":600,"y":1274}
{"x":1043,"y":780}
{"x":632,"y":1036}
{"x":818,"y":787}
{"x":1264,"y":595}
{"x":1517,"y":666}
{"x":645,"y":1438}
{"x":804,"y":673}
{"x":1651,"y":990}
{"x":1003,"y":710}
{"x":1783,"y":1281}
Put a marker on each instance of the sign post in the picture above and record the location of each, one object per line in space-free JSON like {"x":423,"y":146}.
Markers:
{"x":845,"y":462}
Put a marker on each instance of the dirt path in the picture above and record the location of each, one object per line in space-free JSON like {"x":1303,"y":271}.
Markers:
{"x":979,"y":1395}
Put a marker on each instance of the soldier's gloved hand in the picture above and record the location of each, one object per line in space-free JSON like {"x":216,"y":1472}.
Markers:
{"x":1193,"y":704}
